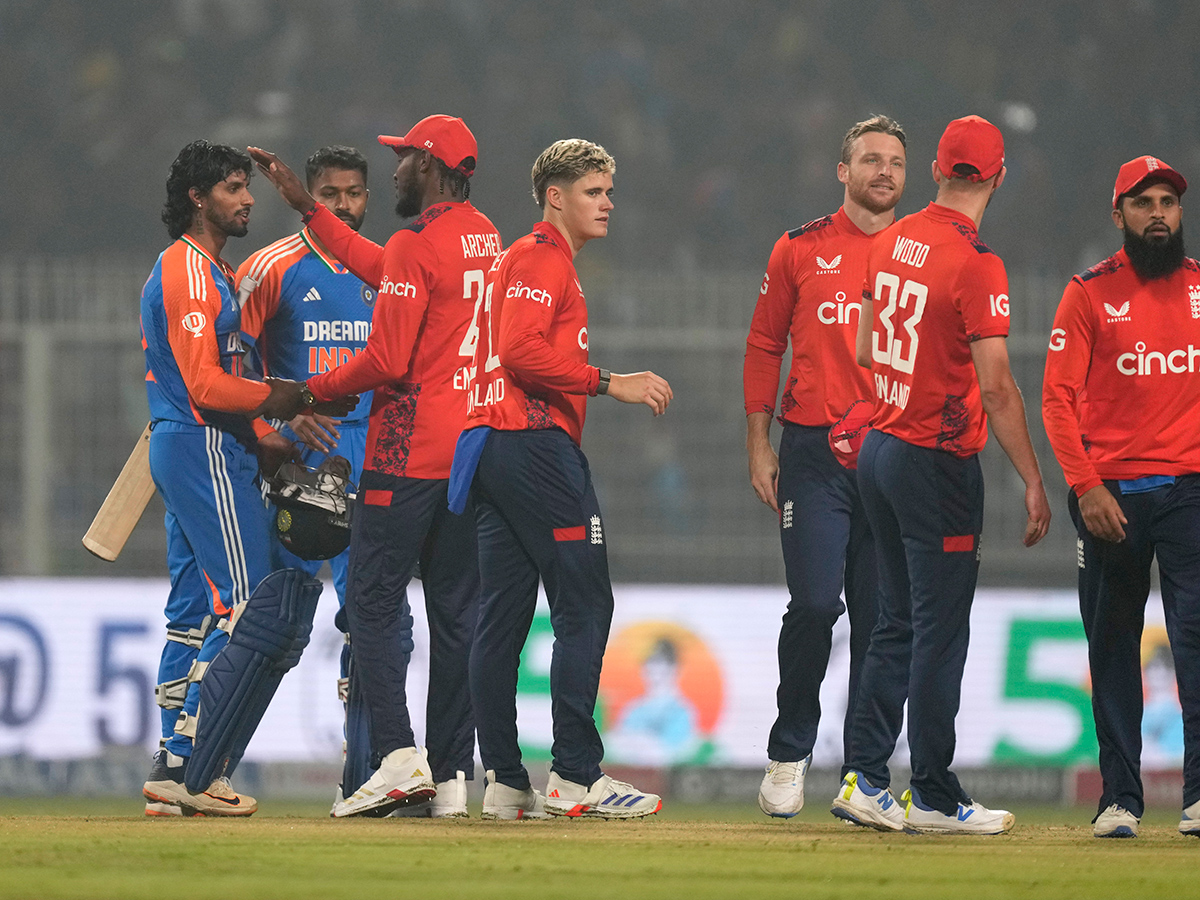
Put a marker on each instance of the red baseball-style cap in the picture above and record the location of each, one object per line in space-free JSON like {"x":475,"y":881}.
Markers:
{"x":447,"y":138}
{"x":974,"y":141}
{"x":1135,"y":173}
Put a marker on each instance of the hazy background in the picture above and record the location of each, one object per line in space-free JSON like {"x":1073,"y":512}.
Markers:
{"x":725,"y":120}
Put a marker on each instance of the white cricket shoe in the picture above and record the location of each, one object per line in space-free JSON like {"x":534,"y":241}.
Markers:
{"x":164,"y":789}
{"x":973,"y":819}
{"x":1189,"y":823}
{"x":507,"y":803}
{"x":402,"y":777}
{"x":449,"y":803}
{"x":861,"y":803}
{"x":604,"y":799}
{"x":1115,"y":822}
{"x":781,"y":793}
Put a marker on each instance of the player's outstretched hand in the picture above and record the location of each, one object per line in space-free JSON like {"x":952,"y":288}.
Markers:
{"x":1102,"y":514}
{"x":339,"y":407}
{"x":1038,"y":508}
{"x":290,"y":187}
{"x":642,"y":387}
{"x":318,"y":432}
{"x":283,"y":402}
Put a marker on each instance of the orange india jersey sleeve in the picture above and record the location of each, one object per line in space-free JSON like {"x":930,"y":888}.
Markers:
{"x":192,"y":303}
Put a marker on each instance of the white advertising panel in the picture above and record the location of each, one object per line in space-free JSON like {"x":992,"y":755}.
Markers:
{"x":689,"y":678}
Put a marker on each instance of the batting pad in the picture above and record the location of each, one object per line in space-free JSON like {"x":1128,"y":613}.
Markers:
{"x":357,"y":767}
{"x":273,"y":629}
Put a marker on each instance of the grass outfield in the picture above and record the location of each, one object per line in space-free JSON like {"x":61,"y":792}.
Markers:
{"x":106,"y":848}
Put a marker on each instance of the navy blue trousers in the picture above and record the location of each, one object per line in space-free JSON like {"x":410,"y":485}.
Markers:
{"x":826,"y":543}
{"x":538,"y":518}
{"x":926,"y":512}
{"x":400,"y":524}
{"x":1114,"y":582}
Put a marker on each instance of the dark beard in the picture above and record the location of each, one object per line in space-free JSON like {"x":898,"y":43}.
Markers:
{"x":1154,"y":259}
{"x":354,"y":222}
{"x":409,"y":202}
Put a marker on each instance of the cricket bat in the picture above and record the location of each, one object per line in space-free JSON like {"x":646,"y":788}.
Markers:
{"x":124,"y":505}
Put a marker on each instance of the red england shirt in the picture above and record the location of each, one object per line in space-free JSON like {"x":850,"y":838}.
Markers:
{"x":1121,"y":394}
{"x":810,"y":293}
{"x":530,"y":368}
{"x":431,"y":282}
{"x":935,"y":287}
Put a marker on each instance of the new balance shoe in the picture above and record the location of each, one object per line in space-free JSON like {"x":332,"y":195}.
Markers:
{"x":165,"y":788}
{"x":604,"y":799}
{"x":781,"y":793}
{"x":1116,"y":822}
{"x":403,"y":777}
{"x":507,"y":803}
{"x":1189,"y":823}
{"x":861,"y":803}
{"x":450,"y":802}
{"x":972,"y":819}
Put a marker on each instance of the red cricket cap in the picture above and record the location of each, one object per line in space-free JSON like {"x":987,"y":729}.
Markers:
{"x":847,"y":433}
{"x":445,"y":137}
{"x":1135,"y":173}
{"x":974,"y":141}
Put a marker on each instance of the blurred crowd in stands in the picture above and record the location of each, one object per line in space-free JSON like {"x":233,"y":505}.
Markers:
{"x":725,"y":118}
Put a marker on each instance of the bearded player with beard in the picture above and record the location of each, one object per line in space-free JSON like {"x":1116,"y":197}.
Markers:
{"x":430,"y":277}
{"x":1119,"y":402}
{"x":811,"y":293}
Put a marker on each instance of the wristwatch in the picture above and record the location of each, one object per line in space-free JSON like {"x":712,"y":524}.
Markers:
{"x":307,"y":397}
{"x":602,"y":384}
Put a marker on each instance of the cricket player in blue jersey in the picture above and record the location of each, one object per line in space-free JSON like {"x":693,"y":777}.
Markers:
{"x":204,"y":453}
{"x":305,"y":313}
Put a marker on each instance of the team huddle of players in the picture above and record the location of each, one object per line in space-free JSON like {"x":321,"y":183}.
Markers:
{"x":878,"y":486}
{"x":454,"y":376}
{"x":483,"y":499}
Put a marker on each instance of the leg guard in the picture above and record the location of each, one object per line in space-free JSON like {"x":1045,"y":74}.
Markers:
{"x":269,"y":632}
{"x":356,"y":766}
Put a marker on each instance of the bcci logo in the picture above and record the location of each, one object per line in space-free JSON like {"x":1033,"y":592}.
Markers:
{"x":368,"y":295}
{"x":283,"y":521}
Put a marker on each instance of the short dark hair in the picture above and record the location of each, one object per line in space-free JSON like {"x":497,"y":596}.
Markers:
{"x":199,"y":165}
{"x":877,"y":123}
{"x":334,"y":157}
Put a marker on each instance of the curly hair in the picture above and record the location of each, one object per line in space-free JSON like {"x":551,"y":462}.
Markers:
{"x":566,"y":161}
{"x":345,"y":158}
{"x":199,"y":165}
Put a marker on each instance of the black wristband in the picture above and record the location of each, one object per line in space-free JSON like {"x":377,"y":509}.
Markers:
{"x":602,"y":384}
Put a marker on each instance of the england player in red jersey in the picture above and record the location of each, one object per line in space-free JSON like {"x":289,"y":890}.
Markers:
{"x":536,"y":507}
{"x":936,"y":347}
{"x":811,"y":293}
{"x":1119,"y":401}
{"x":430,"y":278}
